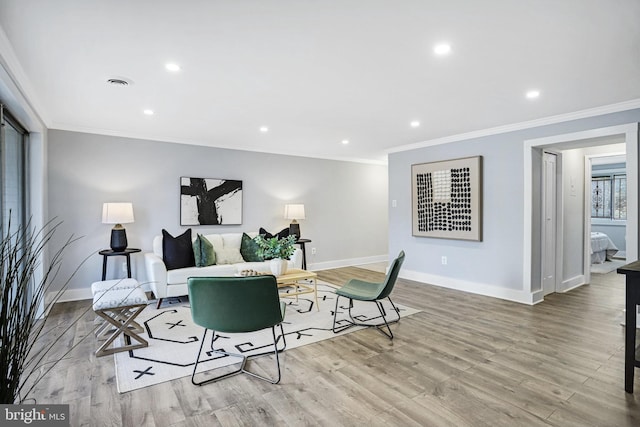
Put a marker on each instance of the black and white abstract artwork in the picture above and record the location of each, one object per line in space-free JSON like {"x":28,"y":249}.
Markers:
{"x":209,"y":201}
{"x":447,"y":199}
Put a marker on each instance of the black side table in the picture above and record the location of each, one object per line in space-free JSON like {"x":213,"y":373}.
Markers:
{"x":632,"y":299}
{"x":302,"y":242}
{"x":110,"y":252}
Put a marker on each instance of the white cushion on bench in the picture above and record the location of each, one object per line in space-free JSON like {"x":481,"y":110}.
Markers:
{"x":118,"y":298}
{"x":106,"y":285}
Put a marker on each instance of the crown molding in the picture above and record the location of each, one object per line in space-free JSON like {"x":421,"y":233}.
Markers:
{"x":582,"y":114}
{"x":186,"y":141}
{"x":19,"y":84}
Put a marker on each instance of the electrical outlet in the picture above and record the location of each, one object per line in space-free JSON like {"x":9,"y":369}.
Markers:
{"x":444,"y":260}
{"x":394,"y":203}
{"x":313,"y":251}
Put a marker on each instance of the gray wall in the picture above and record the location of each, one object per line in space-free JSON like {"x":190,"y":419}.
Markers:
{"x":497,"y":261}
{"x":573,"y":218}
{"x":616,"y":232}
{"x":345,"y":202}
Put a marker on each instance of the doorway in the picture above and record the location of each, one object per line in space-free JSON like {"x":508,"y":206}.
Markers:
{"x":605,"y":209}
{"x":533,"y":200}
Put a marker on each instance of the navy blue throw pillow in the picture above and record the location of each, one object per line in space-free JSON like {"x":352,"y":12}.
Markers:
{"x":177,"y":252}
{"x":280,"y":235}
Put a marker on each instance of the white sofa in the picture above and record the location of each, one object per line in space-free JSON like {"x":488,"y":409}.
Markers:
{"x":173,"y":283}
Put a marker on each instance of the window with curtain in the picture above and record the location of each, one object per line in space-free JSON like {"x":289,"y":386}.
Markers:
{"x":609,"y":196}
{"x":13,"y":140}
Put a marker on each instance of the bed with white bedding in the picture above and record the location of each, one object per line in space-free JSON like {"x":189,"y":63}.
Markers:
{"x":602,"y":248}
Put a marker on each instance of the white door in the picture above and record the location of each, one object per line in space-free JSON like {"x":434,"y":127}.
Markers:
{"x":549,"y":223}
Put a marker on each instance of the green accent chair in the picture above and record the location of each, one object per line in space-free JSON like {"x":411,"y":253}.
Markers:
{"x":236,"y":305}
{"x":361,"y":290}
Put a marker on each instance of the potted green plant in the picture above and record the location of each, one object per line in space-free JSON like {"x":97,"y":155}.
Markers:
{"x":276,"y":250}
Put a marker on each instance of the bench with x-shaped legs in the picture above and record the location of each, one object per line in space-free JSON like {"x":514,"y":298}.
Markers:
{"x":119,"y":308}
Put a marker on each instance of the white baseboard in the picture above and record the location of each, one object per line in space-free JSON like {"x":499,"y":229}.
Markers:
{"x":72,"y":295}
{"x":472,"y":287}
{"x":442,"y":281}
{"x":327,"y":265}
{"x":538,"y":296}
{"x":572,"y":283}
{"x":85,"y":293}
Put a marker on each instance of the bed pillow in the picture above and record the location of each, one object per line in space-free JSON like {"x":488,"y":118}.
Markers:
{"x":203,"y":252}
{"x":177,"y":252}
{"x":249,"y":249}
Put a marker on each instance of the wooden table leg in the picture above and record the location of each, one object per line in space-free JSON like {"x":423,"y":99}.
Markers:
{"x":315,"y":293}
{"x":123,"y":320}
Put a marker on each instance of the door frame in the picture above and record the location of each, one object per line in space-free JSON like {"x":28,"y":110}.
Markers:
{"x":628,"y":133}
{"x":559,"y":215}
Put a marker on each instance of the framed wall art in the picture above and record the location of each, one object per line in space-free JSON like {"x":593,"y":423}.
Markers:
{"x":209,"y":201}
{"x":447,"y":199}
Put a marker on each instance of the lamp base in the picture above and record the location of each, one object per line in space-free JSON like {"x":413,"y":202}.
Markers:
{"x":118,"y":239}
{"x":294,"y":230}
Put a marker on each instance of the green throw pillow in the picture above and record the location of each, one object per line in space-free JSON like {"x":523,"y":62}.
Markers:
{"x":249,"y":249}
{"x":203,"y":252}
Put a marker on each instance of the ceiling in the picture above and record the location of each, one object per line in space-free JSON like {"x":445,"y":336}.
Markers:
{"x":317,"y":72}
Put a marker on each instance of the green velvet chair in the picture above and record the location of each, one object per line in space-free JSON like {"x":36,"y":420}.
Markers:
{"x":361,"y":290}
{"x":236,"y":305}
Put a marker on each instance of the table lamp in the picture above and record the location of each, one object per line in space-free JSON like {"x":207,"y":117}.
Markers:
{"x":118,"y":214}
{"x":294,"y":213}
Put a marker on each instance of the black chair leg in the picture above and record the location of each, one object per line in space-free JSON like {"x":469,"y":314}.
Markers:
{"x":335,"y":313}
{"x":384,"y":318}
{"x":244,"y":360}
{"x":378,"y":326}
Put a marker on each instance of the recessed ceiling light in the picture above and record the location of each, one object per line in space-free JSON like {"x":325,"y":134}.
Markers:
{"x":442,"y":49}
{"x":148,"y":112}
{"x":172,"y":67}
{"x":415,"y":124}
{"x":533,"y":94}
{"x":345,"y":141}
{"x":264,"y":129}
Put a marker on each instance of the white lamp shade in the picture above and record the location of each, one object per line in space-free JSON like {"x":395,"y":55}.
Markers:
{"x":117,"y":213}
{"x":294,"y":211}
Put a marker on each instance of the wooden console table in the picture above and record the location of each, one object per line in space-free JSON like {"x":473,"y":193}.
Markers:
{"x":632,"y":273}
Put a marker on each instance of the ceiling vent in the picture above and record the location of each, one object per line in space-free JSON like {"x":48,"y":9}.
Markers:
{"x":117,"y":81}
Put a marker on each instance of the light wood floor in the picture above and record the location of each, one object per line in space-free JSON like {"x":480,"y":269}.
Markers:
{"x":465,"y":360}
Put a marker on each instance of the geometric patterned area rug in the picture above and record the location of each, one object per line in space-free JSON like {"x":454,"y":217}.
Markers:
{"x":174,"y":339}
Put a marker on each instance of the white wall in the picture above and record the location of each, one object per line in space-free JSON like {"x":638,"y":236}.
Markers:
{"x":345,"y":202}
{"x":494,"y":266}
